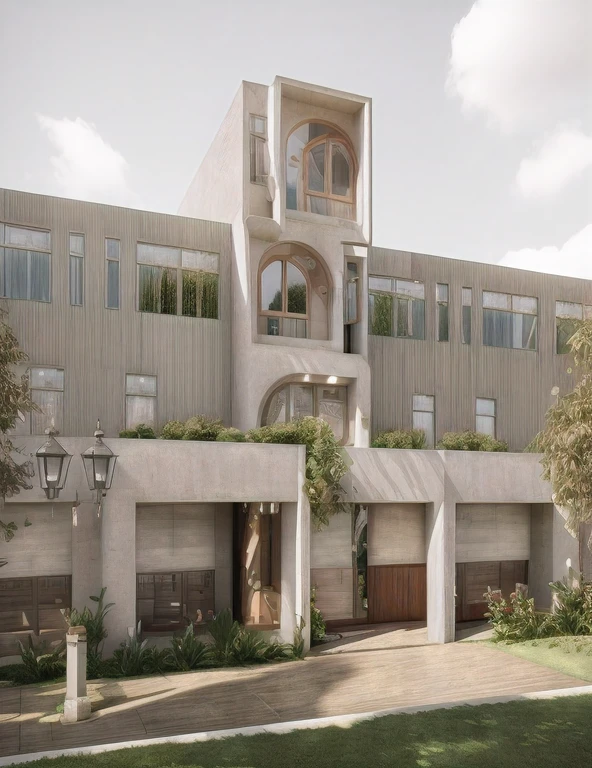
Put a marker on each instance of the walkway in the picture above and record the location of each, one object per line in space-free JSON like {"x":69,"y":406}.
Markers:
{"x":320,"y":686}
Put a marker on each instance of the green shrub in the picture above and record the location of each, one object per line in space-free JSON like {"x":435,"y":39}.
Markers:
{"x":173,"y":430}
{"x":470,"y":441}
{"x":145,"y":432}
{"x":516,"y":619}
{"x":186,"y":652}
{"x":224,"y":632}
{"x":231,"y":435}
{"x":572,"y":607}
{"x":95,"y":631}
{"x":400,"y":438}
{"x":317,"y":623}
{"x":202,"y":428}
{"x":39,"y":664}
{"x":234,"y":644}
{"x":325,"y":462}
{"x":129,"y":433}
{"x":133,"y":657}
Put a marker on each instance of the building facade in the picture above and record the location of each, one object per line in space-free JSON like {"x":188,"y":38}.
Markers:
{"x":264,"y":301}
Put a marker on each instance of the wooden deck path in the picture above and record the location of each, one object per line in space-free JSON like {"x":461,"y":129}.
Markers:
{"x":322,"y":685}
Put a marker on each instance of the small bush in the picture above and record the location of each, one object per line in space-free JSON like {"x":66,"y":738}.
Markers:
{"x":202,"y":428}
{"x":95,"y":631}
{"x":129,"y":433}
{"x":317,"y":623}
{"x":173,"y":430}
{"x":572,"y":607}
{"x":231,"y":435}
{"x":234,"y":644}
{"x":133,"y":657}
{"x":39,"y":664}
{"x":470,"y":441}
{"x":145,"y":432}
{"x":400,"y":438}
{"x":224,"y":632}
{"x":186,"y":652}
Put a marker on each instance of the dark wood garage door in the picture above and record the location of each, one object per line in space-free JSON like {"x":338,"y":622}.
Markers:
{"x":473,"y":579}
{"x":397,"y":593}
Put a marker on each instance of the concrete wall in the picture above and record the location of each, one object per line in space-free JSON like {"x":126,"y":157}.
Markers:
{"x":456,"y":374}
{"x":171,"y":472}
{"x":97,"y":346}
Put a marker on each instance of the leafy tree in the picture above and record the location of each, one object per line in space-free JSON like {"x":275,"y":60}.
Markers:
{"x":566,"y":443}
{"x":15,"y":399}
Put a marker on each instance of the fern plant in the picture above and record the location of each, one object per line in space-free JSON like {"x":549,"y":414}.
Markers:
{"x":187,"y":652}
{"x":38,"y":663}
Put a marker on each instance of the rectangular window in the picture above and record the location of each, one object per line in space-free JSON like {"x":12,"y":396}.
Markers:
{"x":467,"y":314}
{"x":396,"y":307}
{"x":423,"y":417}
{"x":140,"y":400}
{"x":509,"y":321}
{"x":442,"y":300}
{"x":258,"y":149}
{"x":25,"y":263}
{"x":176,"y":281}
{"x":568,"y":317}
{"x":47,"y":392}
{"x":112,"y":254}
{"x":350,"y":305}
{"x":485,"y":416}
{"x":76,"y":270}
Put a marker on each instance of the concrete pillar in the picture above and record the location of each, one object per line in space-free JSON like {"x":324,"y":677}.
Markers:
{"x":441,"y":567}
{"x":565,"y":547}
{"x":86,"y":554}
{"x":540,"y":565}
{"x":77,"y":703}
{"x":223,"y":557}
{"x":118,"y":543}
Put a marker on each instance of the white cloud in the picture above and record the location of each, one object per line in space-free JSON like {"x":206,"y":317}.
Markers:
{"x":557,"y":160}
{"x":86,"y":167}
{"x":522,"y":62}
{"x":573,"y":259}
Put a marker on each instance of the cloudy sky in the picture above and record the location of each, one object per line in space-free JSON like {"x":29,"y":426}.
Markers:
{"x":482,"y":111}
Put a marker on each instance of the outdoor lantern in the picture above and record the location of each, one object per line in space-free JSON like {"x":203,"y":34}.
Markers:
{"x":53,"y":463}
{"x":99,"y":463}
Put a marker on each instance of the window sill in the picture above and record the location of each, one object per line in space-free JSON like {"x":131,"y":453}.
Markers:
{"x":317,"y":218}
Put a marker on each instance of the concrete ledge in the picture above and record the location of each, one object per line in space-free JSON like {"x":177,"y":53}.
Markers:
{"x":339,"y":721}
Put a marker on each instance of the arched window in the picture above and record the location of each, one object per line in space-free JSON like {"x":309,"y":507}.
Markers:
{"x":320,"y":171}
{"x":297,"y":400}
{"x":284,"y":299}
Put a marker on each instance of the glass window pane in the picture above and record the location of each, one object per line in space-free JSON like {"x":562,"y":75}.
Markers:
{"x":442,"y":322}
{"x":149,"y":289}
{"x":27,"y":238}
{"x":200,"y":260}
{"x":113,"y":284}
{"x":136,"y":384}
{"x":466,"y":324}
{"x":467,"y":297}
{"x":40,"y":264}
{"x":258,"y":124}
{"x":112,"y":248}
{"x":296,"y":290}
{"x":340,"y":171}
{"x":332,"y":409}
{"x":77,"y":245}
{"x":160,"y":255}
{"x":76,"y":280}
{"x":442,"y":292}
{"x":485,"y":425}
{"x":259,"y":159}
{"x":524,"y":304}
{"x":316,"y":168}
{"x":319,"y":205}
{"x":292,"y":327}
{"x":567,"y":309}
{"x":207,"y":293}
{"x":566,"y":327}
{"x":47,"y":378}
{"x":15,"y":274}
{"x":271,"y":287}
{"x":497,"y":328}
{"x":350,"y":314}
{"x":496,"y":300}
{"x":276,"y":410}
{"x":425,"y":421}
{"x":139,"y":410}
{"x":380,"y":284}
{"x":403,"y":318}
{"x":273,"y":326}
{"x":380,"y":312}
{"x":301,"y":401}
{"x":410,"y":288}
{"x":423,"y":403}
{"x":525,"y":331}
{"x":485,"y":406}
{"x":51,"y":404}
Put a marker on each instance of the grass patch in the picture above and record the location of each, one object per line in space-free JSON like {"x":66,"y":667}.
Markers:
{"x":570,"y":655}
{"x":521,"y":734}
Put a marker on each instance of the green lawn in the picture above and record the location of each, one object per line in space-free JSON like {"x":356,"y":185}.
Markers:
{"x":570,"y":655}
{"x":522,"y":734}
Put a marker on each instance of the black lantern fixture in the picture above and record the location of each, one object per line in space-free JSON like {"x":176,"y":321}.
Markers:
{"x":99,"y":464}
{"x":53,"y":461}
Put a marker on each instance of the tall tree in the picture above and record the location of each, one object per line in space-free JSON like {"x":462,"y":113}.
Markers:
{"x":15,"y":400}
{"x":566,"y":443}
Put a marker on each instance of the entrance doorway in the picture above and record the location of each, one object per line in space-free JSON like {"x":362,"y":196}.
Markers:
{"x":474,"y":579}
{"x":168,"y":601}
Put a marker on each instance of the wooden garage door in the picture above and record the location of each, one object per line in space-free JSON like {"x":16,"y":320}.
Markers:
{"x":397,"y":593}
{"x":473,"y":580}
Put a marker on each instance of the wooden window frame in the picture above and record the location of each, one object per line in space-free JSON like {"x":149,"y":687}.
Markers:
{"x":284,"y":288}
{"x":328,"y":139}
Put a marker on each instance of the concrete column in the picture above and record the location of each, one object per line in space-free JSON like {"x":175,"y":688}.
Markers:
{"x":441,"y":567}
{"x":565,"y":547}
{"x":540,"y":565}
{"x":223,"y":557}
{"x":77,"y":703}
{"x":86,"y":554}
{"x":118,"y":541}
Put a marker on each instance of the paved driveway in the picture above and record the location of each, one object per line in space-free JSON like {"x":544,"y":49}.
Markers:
{"x":321,"y":685}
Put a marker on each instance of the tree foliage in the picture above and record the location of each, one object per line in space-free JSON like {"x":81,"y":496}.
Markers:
{"x":566,"y":440}
{"x":15,"y":399}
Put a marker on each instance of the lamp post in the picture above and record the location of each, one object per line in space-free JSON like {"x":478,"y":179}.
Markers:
{"x":99,"y":464}
{"x":53,"y":462}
